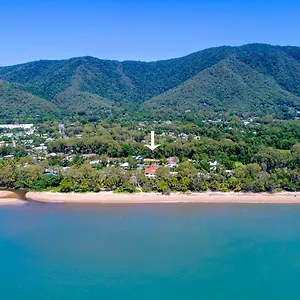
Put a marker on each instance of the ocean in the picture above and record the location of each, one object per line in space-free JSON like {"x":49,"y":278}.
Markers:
{"x":150,"y":251}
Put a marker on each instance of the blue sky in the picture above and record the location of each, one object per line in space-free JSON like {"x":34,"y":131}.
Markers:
{"x":139,"y":30}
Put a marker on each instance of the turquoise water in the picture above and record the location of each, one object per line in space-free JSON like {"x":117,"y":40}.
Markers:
{"x":178,"y":251}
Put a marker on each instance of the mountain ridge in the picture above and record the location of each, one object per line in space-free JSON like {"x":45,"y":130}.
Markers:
{"x":225,"y":81}
{"x":109,"y":87}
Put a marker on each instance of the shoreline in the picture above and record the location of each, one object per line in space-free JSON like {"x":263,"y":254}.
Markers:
{"x":138,"y":198}
{"x":9,"y":198}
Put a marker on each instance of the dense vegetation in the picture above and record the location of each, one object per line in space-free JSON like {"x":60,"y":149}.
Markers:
{"x":229,"y":86}
{"x":252,"y":80}
{"x":263,"y":155}
{"x":20,"y":105}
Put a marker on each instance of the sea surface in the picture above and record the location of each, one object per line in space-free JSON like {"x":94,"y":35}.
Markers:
{"x":150,"y":251}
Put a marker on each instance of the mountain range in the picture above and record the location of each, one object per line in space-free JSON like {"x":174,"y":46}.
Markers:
{"x":250,"y":80}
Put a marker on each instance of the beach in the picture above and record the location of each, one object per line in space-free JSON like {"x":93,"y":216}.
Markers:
{"x":12,"y":198}
{"x":207,"y":197}
{"x":9,"y":198}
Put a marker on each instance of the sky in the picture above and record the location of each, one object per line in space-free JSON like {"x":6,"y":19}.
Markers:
{"x":139,"y":30}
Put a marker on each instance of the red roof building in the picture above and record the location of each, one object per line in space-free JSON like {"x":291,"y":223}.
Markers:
{"x":150,"y":172}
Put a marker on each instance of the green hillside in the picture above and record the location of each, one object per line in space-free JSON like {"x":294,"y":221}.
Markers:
{"x":84,"y":103}
{"x":128,"y":81}
{"x":254,"y":79}
{"x":229,"y":86}
{"x":282,"y":63}
{"x":19,"y":105}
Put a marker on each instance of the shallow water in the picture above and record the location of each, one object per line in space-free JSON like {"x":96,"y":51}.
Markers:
{"x":150,"y":251}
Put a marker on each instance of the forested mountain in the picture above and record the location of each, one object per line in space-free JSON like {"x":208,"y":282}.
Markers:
{"x":20,"y":105}
{"x":255,"y":79}
{"x":228,"y":85}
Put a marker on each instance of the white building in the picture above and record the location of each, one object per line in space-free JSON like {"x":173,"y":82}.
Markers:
{"x":16,"y":126}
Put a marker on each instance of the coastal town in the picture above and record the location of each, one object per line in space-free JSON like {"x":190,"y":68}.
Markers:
{"x":79,"y":157}
{"x":35,"y":145}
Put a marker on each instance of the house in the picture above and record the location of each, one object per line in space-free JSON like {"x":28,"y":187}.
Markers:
{"x":41,"y":148}
{"x":150,"y":161}
{"x":125,"y":166}
{"x":229,"y":172}
{"x":95,"y":162}
{"x":138,"y":158}
{"x":150,"y":172}
{"x":51,"y":154}
{"x":89,"y":155}
{"x":16,"y":125}
{"x":53,"y":171}
{"x":183,"y":136}
{"x":171,"y":166}
{"x":172,"y":135}
{"x":172,"y":162}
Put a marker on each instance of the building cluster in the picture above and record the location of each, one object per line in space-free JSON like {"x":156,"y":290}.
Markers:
{"x":35,"y":145}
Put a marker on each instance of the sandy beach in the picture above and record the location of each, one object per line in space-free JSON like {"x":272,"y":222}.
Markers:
{"x":207,"y":197}
{"x":9,"y":198}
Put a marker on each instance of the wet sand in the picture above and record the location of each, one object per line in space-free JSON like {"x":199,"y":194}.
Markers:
{"x":9,"y":198}
{"x":207,"y":197}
